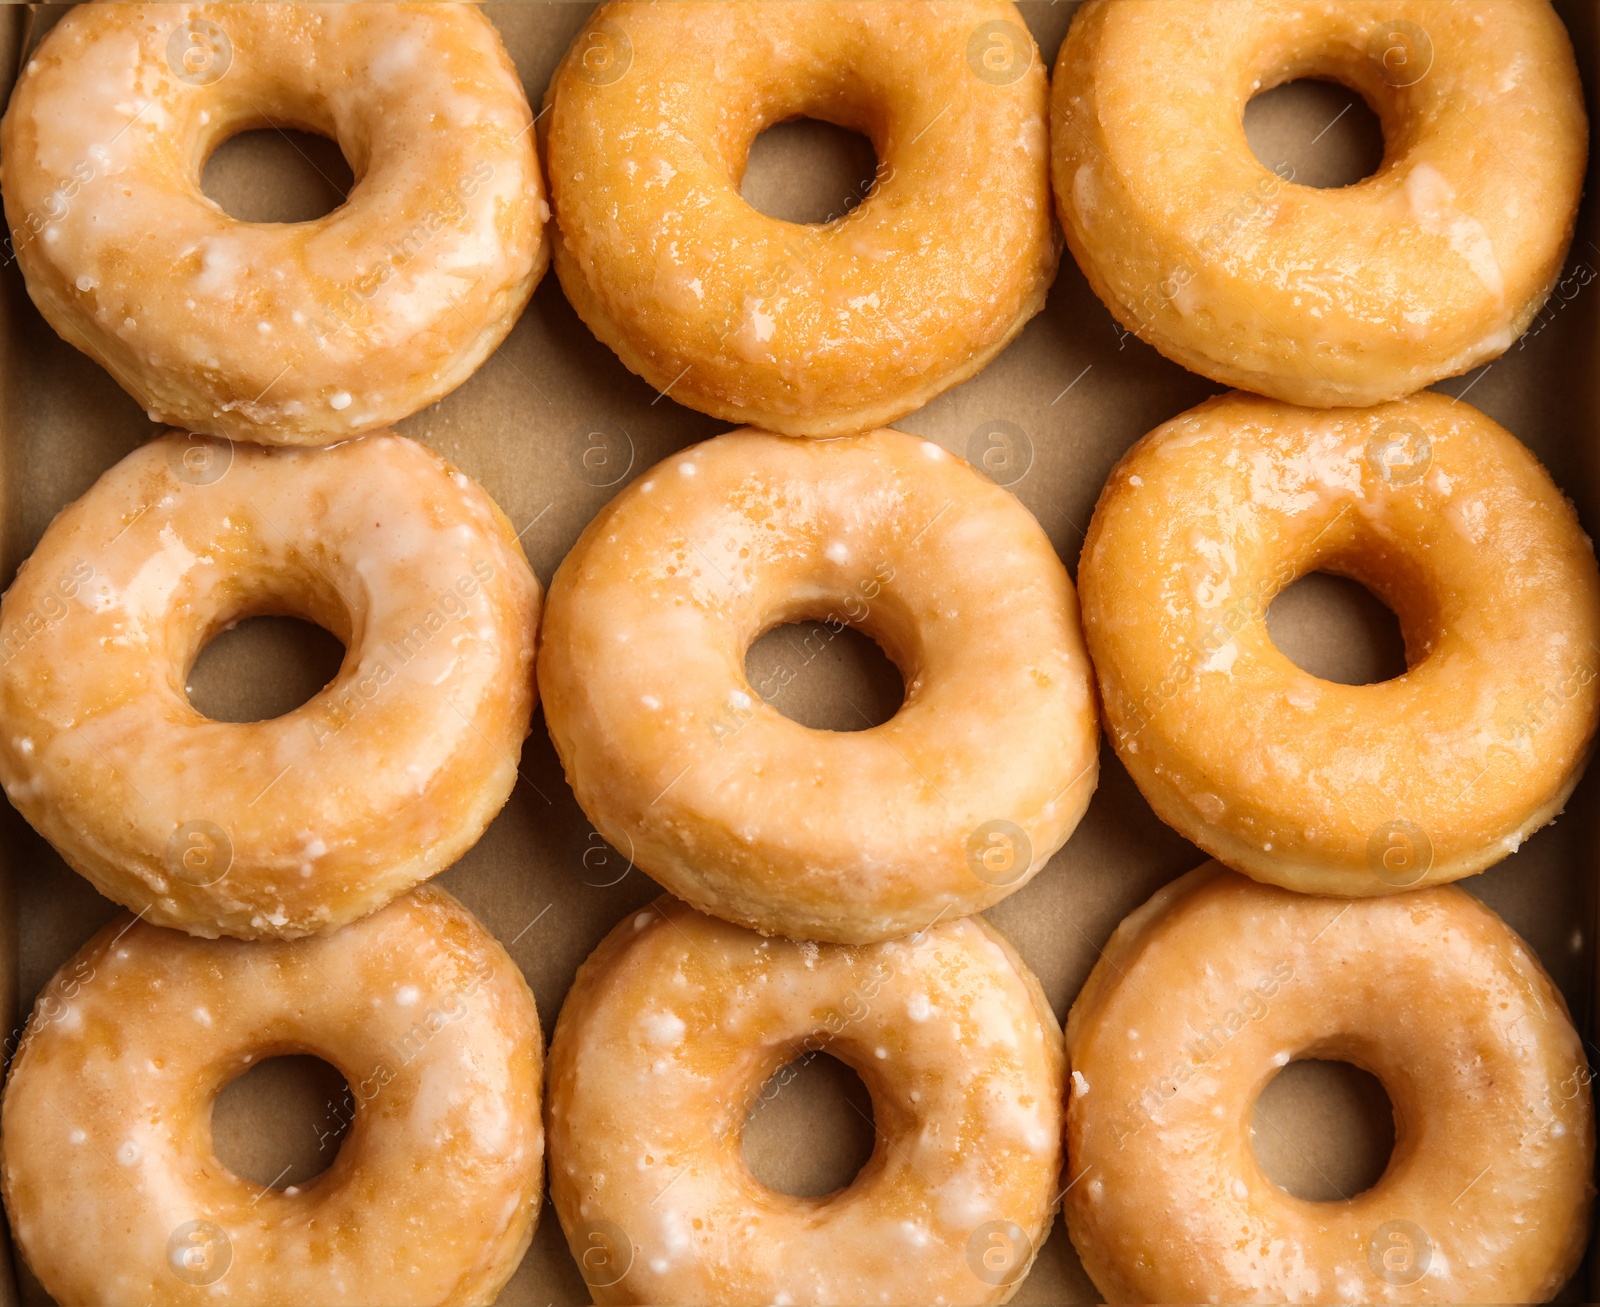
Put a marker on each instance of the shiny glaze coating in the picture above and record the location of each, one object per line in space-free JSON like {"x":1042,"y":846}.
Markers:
{"x":1328,"y":788}
{"x":1206,"y":991}
{"x":664,"y":1044}
{"x":821,"y":329}
{"x":291,"y":333}
{"x":301,"y":823}
{"x":115,"y":1192}
{"x":692,"y":772}
{"x":1341,"y":296}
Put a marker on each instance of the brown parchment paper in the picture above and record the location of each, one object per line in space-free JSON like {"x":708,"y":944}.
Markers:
{"x":1080,"y":390}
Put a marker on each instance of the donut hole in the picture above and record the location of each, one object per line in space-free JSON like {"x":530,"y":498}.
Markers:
{"x":811,"y":1129}
{"x":804,"y":170}
{"x":263,"y":667}
{"x":281,"y":1123}
{"x":1323,"y":1130}
{"x":1315,"y":133}
{"x":277,"y":175}
{"x":825,"y":675}
{"x":1338,"y":630}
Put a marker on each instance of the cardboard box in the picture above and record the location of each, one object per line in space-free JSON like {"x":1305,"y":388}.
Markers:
{"x":1079,"y":387}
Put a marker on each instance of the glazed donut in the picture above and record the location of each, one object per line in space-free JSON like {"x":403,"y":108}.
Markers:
{"x":820,"y":329}
{"x":304,"y":822}
{"x":1346,"y":296}
{"x":1316,"y":786}
{"x":852,"y":836}
{"x":671,"y":1030}
{"x":115,"y":1192}
{"x":1487,"y":1195}
{"x":301,"y":333}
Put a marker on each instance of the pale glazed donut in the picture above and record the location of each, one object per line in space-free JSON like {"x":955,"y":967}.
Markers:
{"x":671,"y":1030}
{"x":1347,"y":296}
{"x":1206,"y":991}
{"x":113,"y":1187}
{"x":821,"y":329}
{"x":1328,"y":788}
{"x":301,"y":333}
{"x":851,"y":836}
{"x":309,"y":820}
